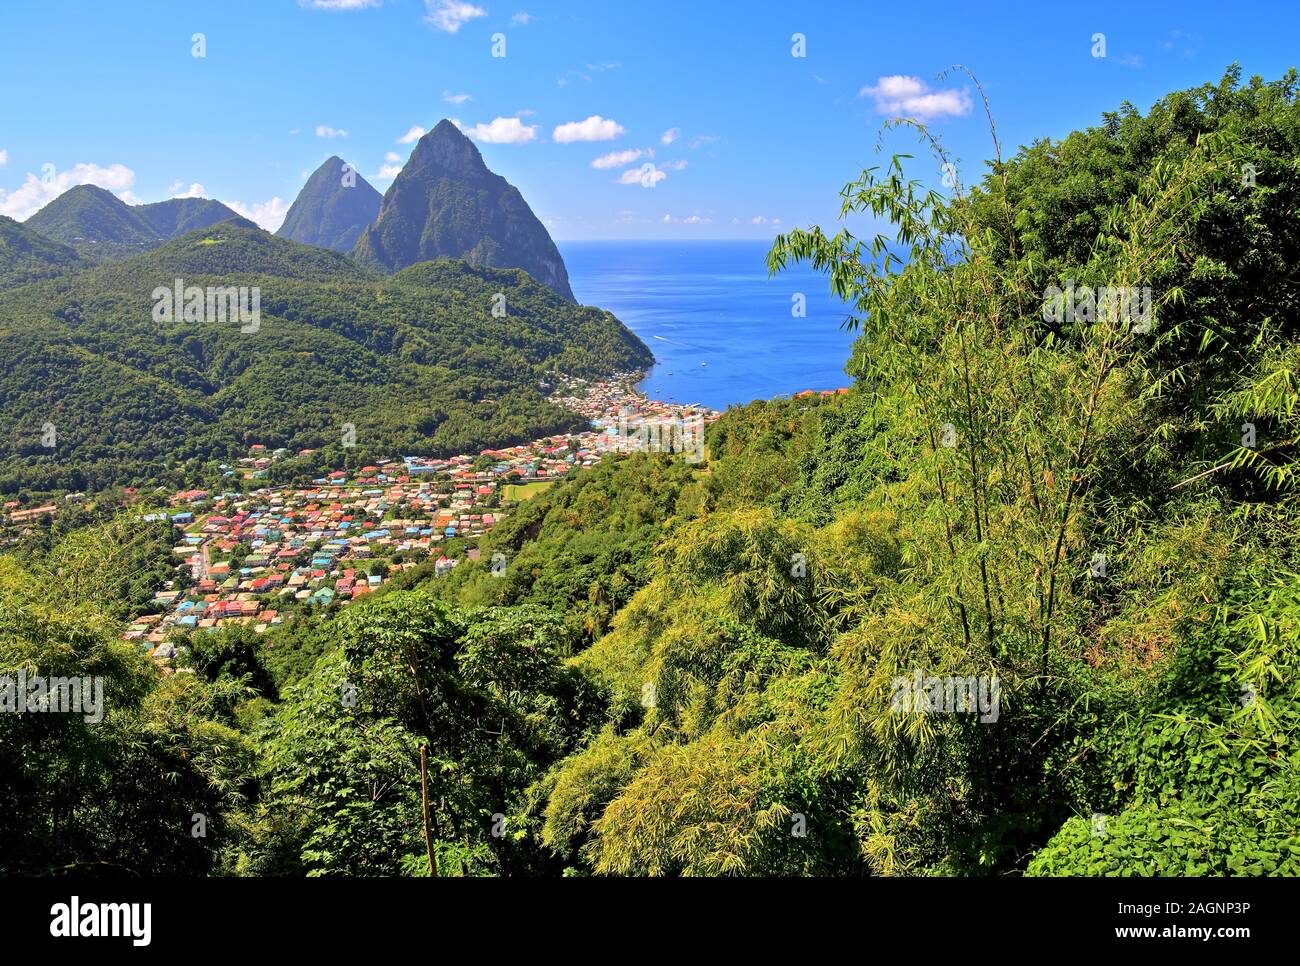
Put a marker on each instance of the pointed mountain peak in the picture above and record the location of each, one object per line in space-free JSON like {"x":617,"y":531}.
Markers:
{"x":332,"y":209}
{"x":331,"y":165}
{"x":445,"y":203}
{"x":447,"y":130}
{"x":448,"y":148}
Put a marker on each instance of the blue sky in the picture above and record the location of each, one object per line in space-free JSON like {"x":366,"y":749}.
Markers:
{"x":111,"y":93}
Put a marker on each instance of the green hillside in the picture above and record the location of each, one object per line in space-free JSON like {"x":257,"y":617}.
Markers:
{"x":27,"y":255}
{"x":100,"y":225}
{"x":94,"y":221}
{"x":416,"y":363}
{"x":178,"y":216}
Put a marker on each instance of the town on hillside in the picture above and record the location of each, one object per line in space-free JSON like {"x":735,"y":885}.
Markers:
{"x":258,"y":556}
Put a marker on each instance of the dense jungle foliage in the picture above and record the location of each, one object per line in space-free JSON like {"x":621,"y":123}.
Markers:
{"x":694,"y":669}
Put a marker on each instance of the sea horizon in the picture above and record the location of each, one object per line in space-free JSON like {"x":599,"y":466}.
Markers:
{"x":722,"y":331}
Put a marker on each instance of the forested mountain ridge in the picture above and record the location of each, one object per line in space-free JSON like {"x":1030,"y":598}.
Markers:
{"x":417,"y":363}
{"x":445,"y":203}
{"x":178,"y":216}
{"x":100,"y":225}
{"x":333,"y":208}
{"x":95,"y":221}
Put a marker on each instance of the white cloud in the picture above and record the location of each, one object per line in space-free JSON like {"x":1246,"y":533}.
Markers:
{"x":391,"y":167}
{"x":688,"y":220}
{"x":906,"y":96}
{"x":502,"y":130}
{"x":4,"y":157}
{"x":451,"y":98}
{"x":339,"y":4}
{"x":647,"y":176}
{"x":702,"y":139}
{"x":451,"y":15}
{"x":522,"y":18}
{"x":36,"y":192}
{"x":616,"y":159}
{"x":414,"y":134}
{"x":178,"y":190}
{"x":671,"y":135}
{"x":325,"y":131}
{"x":266,"y":214}
{"x":594,"y":128}
{"x":675,"y":165}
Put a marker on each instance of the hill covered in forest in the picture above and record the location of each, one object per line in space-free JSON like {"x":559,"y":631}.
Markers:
{"x":100,"y":225}
{"x":415,"y":363}
{"x":27,"y":255}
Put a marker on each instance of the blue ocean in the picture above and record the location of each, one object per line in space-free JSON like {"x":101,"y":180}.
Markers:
{"x":721,"y":330}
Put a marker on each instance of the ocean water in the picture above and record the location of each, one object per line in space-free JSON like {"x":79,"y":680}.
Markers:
{"x":721,"y":330}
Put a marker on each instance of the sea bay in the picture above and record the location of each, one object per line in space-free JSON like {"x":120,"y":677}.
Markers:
{"x":722,"y":331}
